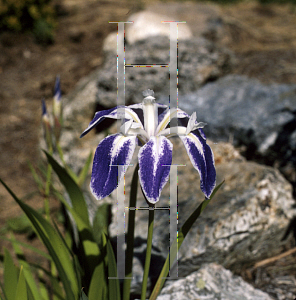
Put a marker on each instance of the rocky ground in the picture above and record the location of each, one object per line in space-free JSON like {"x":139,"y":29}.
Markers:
{"x":263,"y":39}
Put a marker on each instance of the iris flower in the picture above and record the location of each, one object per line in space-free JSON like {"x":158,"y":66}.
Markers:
{"x":147,"y":124}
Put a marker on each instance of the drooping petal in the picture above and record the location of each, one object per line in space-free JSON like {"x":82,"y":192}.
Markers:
{"x":201,"y":132}
{"x":155,"y":159}
{"x":112,"y":151}
{"x":202,"y":159}
{"x":118,"y":112}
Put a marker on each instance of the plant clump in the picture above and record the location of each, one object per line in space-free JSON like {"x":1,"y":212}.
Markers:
{"x":36,"y":16}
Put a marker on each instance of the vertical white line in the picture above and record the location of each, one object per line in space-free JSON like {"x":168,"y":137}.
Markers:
{"x":173,"y":72}
{"x":173,"y":217}
{"x":120,"y":71}
{"x":120,"y":190}
{"x":120,"y":226}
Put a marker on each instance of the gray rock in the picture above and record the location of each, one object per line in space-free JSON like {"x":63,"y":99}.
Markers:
{"x":213,"y":282}
{"x":148,"y":23}
{"x":261,"y":117}
{"x":203,"y":19}
{"x":199,"y":61}
{"x":78,"y":110}
{"x":281,"y":287}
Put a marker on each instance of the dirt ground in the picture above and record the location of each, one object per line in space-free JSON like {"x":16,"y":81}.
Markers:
{"x":262,"y":37}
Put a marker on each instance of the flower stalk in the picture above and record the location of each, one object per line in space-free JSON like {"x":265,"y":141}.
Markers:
{"x":148,"y":251}
{"x":130,"y":236}
{"x":48,"y":139}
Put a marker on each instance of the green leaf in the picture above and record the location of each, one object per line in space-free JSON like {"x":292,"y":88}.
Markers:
{"x":69,"y":171}
{"x":72,"y":188}
{"x":55,"y":247}
{"x":20,"y":224}
{"x":90,"y":253}
{"x":21,"y":289}
{"x":26,"y":270}
{"x":43,"y":291}
{"x":177,"y":243}
{"x":84,"y":171}
{"x":30,"y":295}
{"x":2,"y":296}
{"x":2,"y":289}
{"x":10,"y":276}
{"x":101,"y":221}
{"x":38,"y":251}
{"x":55,"y":284}
{"x":113,"y":282}
{"x":36,"y":177}
{"x":90,"y":247}
{"x":98,"y":288}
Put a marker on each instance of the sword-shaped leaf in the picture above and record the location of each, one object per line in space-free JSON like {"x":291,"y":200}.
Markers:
{"x":55,"y":246}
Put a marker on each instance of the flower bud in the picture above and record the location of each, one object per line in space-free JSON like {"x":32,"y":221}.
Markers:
{"x":47,"y":129}
{"x":57,"y":109}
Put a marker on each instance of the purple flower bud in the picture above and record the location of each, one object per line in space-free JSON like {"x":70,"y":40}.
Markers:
{"x":57,"y":109}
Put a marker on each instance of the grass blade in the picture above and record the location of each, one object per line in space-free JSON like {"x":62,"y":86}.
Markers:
{"x":36,"y":177}
{"x":40,"y":252}
{"x":90,"y":247}
{"x":113,"y":284}
{"x":72,"y":188}
{"x":10,"y":276}
{"x":43,"y":291}
{"x":21,"y":289}
{"x":102,"y":221}
{"x":26,"y":270}
{"x":55,"y":247}
{"x":85,"y":169}
{"x":98,"y":288}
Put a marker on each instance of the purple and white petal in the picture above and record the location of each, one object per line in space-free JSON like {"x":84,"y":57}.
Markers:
{"x":112,"y":151}
{"x":118,"y":112}
{"x":201,"y":132}
{"x":202,"y":159}
{"x":155,"y":159}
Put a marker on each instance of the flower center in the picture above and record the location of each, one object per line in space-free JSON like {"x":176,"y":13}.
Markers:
{"x":150,"y":115}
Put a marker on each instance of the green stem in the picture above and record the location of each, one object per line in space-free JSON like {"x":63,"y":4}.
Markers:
{"x":130,"y":236}
{"x":61,"y":154}
{"x":148,"y":251}
{"x":47,"y":189}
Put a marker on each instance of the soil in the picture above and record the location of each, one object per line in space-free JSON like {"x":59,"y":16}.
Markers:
{"x":263,"y":37}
